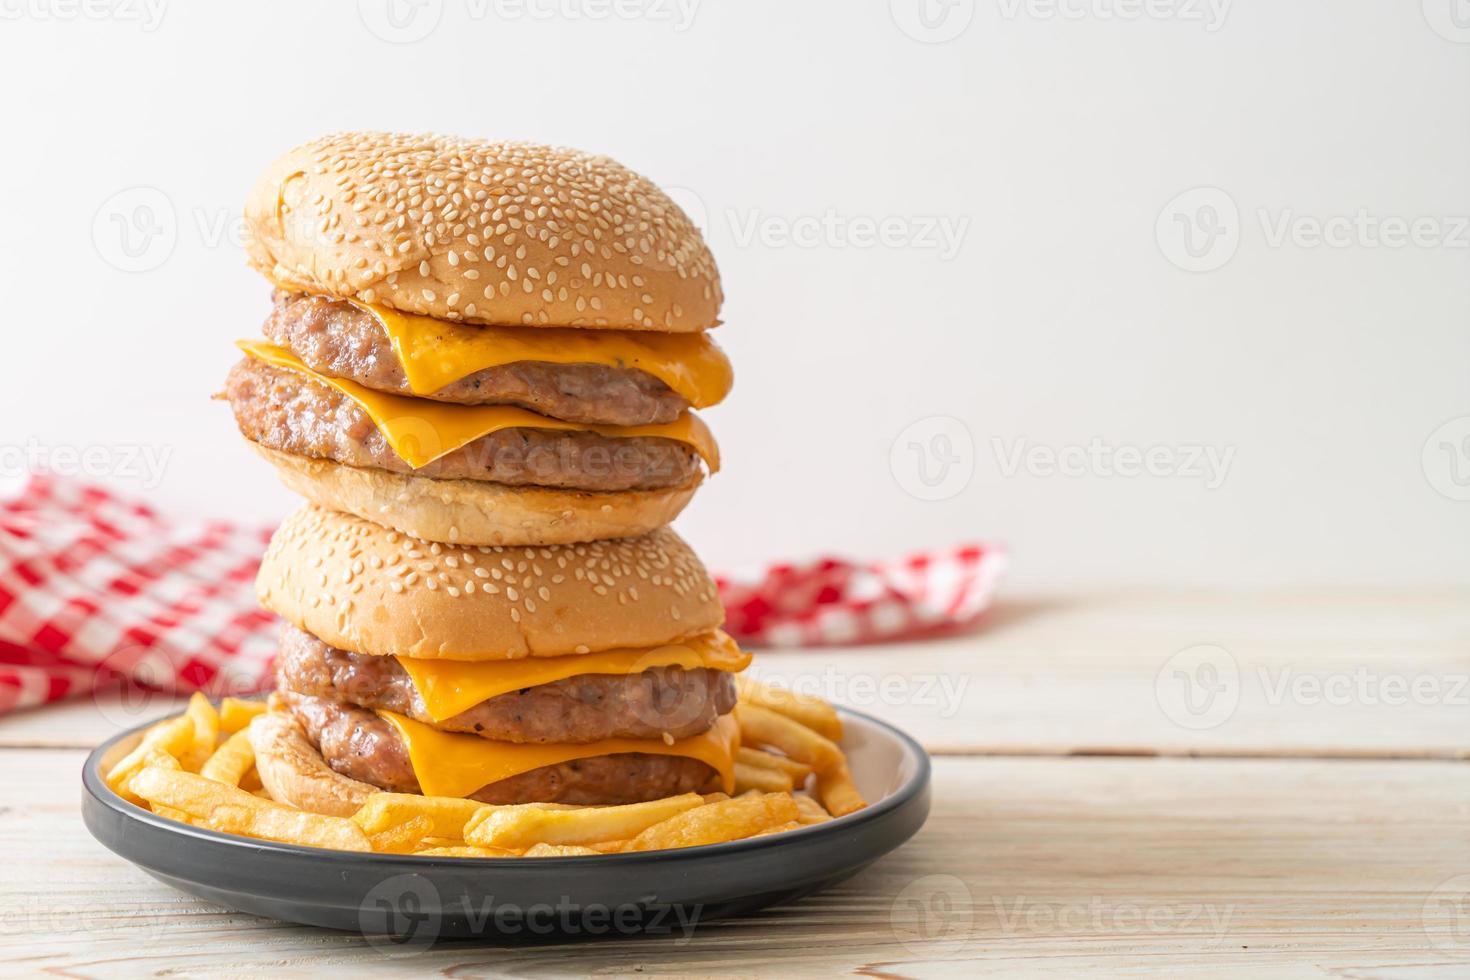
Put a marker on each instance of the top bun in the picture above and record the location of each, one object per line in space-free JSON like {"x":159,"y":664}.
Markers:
{"x":482,"y":232}
{"x":363,"y":588}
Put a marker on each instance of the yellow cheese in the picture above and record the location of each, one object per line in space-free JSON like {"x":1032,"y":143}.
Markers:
{"x":451,"y":686}
{"x":437,"y":353}
{"x":422,"y":431}
{"x":450,"y":764}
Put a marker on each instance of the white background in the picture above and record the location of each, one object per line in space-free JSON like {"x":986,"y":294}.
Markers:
{"x":1053,"y":138}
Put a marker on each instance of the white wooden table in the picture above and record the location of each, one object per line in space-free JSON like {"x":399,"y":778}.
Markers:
{"x":1095,"y":809}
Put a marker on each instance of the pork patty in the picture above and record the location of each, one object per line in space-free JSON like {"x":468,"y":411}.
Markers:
{"x":287,"y":411}
{"x":362,"y":746}
{"x":584,"y":708}
{"x":336,"y":338}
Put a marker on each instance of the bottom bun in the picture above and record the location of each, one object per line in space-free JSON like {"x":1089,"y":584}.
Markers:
{"x":293,"y":771}
{"x":471,"y":512}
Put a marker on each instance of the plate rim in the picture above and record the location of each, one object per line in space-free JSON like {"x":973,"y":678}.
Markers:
{"x":103,"y":795}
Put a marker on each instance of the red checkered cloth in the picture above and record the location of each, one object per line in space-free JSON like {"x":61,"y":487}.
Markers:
{"x":98,"y":591}
{"x":834,"y":601}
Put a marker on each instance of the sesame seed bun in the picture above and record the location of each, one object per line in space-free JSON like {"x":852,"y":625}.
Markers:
{"x":363,"y":588}
{"x":480,"y":231}
{"x":474,"y":512}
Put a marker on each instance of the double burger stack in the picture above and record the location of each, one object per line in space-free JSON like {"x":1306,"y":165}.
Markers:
{"x":479,"y":370}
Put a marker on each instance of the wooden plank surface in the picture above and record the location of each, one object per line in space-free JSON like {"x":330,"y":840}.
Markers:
{"x":1353,"y":674}
{"x":1323,"y":828}
{"x":1144,"y":867}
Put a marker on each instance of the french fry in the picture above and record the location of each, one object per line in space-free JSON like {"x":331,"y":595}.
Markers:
{"x":171,"y":737}
{"x":814,"y":713}
{"x":236,"y":713}
{"x":402,"y":838}
{"x":465,"y":851}
{"x":837,"y":792}
{"x":432,"y":841}
{"x":232,"y":810}
{"x":759,"y":778}
{"x":609,"y":846}
{"x":762,"y":726}
{"x":716,"y":822}
{"x":156,"y":756}
{"x":231,"y":761}
{"x":206,"y":732}
{"x":811,"y":811}
{"x":251,"y":780}
{"x":559,"y":850}
{"x":716,"y":797}
{"x":524,"y":826}
{"x":780,"y":828}
{"x":798,"y":771}
{"x":446,"y":816}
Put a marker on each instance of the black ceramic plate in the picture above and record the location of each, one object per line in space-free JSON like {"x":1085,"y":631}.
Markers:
{"x":418,"y":899}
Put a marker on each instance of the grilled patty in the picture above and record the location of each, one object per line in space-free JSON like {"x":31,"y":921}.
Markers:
{"x":584,"y":708}
{"x":289,"y":412}
{"x":362,"y":746}
{"x":336,"y":338}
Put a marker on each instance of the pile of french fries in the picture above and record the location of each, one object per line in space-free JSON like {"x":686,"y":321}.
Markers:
{"x":199,"y":768}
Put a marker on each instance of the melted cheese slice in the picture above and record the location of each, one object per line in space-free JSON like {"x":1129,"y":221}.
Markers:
{"x":422,"y":431}
{"x":450,"y":764}
{"x":437,"y":353}
{"x":451,"y":686}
